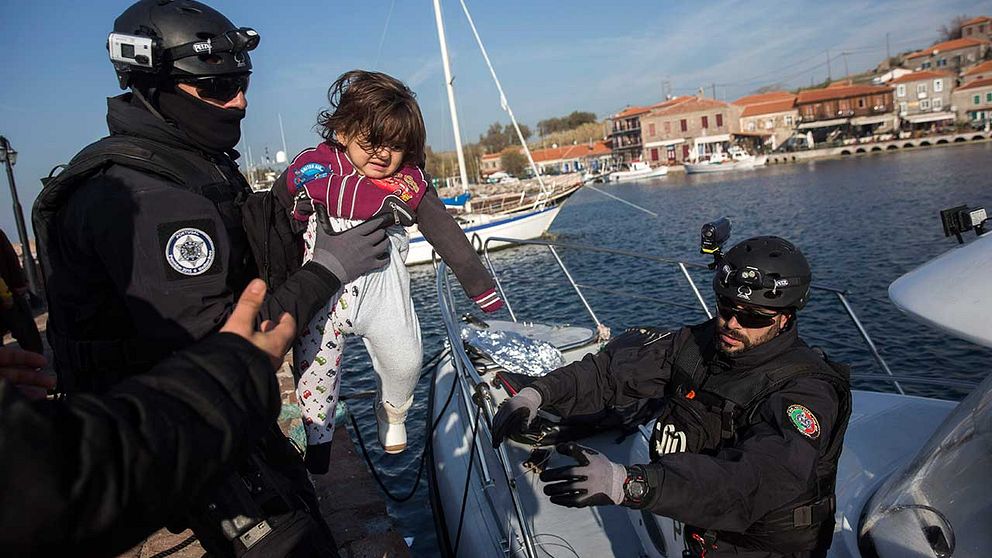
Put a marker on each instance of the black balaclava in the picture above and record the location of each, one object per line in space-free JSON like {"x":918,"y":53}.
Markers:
{"x":212,"y":128}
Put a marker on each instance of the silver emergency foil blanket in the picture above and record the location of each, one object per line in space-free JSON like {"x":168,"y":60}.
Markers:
{"x":513,"y":351}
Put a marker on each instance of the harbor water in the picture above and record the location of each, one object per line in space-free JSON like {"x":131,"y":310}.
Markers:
{"x":862,"y":222}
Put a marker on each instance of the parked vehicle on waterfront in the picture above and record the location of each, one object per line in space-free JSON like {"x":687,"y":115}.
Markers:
{"x":905,"y":462}
{"x":734,"y":158}
{"x":638,"y":170}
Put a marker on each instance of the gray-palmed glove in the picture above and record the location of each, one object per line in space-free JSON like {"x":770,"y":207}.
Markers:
{"x":593,"y":481}
{"x":515,"y":414}
{"x":351,"y":253}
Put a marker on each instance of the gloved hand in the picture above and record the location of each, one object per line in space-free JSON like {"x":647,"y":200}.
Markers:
{"x":515,"y":414}
{"x":594,"y":481}
{"x":351,"y":253}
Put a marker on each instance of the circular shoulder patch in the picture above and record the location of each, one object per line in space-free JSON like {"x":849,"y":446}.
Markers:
{"x":190,"y":251}
{"x":804,"y":421}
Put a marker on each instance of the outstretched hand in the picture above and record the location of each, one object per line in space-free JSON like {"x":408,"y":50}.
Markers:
{"x":274,"y":338}
{"x":593,"y":481}
{"x":22,"y":368}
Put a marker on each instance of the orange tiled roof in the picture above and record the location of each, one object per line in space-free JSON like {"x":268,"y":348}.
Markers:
{"x":770,"y":107}
{"x":975,"y":20}
{"x":816,"y":95}
{"x":689,"y":104}
{"x":596,"y":149}
{"x":983,"y":67}
{"x":925,"y":74}
{"x":764,"y":98}
{"x":631,"y":111}
{"x":949,"y":45}
{"x":984,"y":82}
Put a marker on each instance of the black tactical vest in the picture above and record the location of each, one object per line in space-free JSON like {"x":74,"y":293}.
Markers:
{"x":96,"y":365}
{"x":701,"y":419}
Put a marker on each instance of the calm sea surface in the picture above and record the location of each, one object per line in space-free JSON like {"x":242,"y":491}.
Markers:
{"x":861,"y":222}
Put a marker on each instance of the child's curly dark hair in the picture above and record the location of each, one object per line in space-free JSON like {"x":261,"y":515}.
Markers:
{"x":380,"y":108}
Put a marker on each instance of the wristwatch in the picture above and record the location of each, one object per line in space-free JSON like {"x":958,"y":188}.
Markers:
{"x":635,"y":487}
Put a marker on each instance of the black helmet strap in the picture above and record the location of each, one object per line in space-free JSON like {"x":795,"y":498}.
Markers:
{"x":235,"y":41}
{"x":756,"y":278}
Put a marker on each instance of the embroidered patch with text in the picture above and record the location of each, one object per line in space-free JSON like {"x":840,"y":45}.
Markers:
{"x":804,"y":420}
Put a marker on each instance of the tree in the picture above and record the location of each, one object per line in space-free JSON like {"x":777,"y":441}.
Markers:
{"x":565,"y":123}
{"x":513,"y":162}
{"x":498,"y":137}
{"x":952,"y":30}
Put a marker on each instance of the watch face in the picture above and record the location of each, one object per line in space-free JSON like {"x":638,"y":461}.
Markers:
{"x":636,"y":489}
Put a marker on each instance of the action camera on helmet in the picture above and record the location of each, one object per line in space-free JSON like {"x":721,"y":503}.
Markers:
{"x":132,"y":50}
{"x":713,"y":235}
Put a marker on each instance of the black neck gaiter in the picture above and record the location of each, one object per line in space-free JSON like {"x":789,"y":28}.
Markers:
{"x":212,"y":128}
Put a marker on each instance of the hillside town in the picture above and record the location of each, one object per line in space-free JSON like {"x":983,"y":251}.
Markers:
{"x":942,"y":89}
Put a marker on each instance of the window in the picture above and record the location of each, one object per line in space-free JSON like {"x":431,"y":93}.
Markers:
{"x":903,"y":108}
{"x":685,"y":151}
{"x":921,"y":90}
{"x":925,"y":104}
{"x":769,"y":124}
{"x":651,"y":130}
{"x":719,"y":120}
{"x":988,"y":97}
{"x":670,"y":152}
{"x":926,"y":65}
{"x":788,"y":120}
{"x":706,"y":122}
{"x":901,"y":90}
{"x":668,"y":127}
{"x":685,"y":125}
{"x":977,"y":99}
{"x":942,"y":62}
{"x":938,"y":85}
{"x":937,"y":103}
{"x":861,"y":102}
{"x":750,"y":126}
{"x":654,"y":153}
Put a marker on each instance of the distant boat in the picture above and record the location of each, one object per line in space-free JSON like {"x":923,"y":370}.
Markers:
{"x":638,"y":170}
{"x":735,"y":159}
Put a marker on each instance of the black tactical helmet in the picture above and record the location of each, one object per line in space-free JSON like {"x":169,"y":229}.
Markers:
{"x":764,"y":271}
{"x":187,"y":39}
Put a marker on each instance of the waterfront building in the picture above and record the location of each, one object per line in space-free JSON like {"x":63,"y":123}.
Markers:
{"x":489,"y":164}
{"x":890,"y":75}
{"x":979,"y":71}
{"x":688,"y":128}
{"x":770,"y":117}
{"x":973,"y":103}
{"x":977,"y":28}
{"x":949,"y":55}
{"x":578,"y":157}
{"x":842,"y":111}
{"x":923,"y":99}
{"x":625,"y":134}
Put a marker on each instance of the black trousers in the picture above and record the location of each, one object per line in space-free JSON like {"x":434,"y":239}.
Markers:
{"x":19,"y":321}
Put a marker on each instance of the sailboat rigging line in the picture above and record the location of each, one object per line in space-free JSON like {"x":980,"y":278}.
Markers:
{"x":621,"y":200}
{"x":468,"y":478}
{"x":385,"y":28}
{"x":504,"y":103}
{"x":423,"y":452}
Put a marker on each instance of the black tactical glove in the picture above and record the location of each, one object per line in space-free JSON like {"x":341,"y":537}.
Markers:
{"x":515,"y":414}
{"x":594,"y":481}
{"x":351,"y":253}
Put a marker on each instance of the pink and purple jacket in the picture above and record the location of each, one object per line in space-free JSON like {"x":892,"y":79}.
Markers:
{"x":324,"y":175}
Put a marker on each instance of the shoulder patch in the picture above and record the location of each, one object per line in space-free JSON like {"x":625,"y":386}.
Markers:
{"x":189,"y":248}
{"x":804,"y":421}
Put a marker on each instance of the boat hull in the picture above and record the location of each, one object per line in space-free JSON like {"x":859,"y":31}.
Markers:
{"x":481,"y":227}
{"x":627,"y":176}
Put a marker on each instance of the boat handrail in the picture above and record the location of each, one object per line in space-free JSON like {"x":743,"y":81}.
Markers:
{"x":684,"y":267}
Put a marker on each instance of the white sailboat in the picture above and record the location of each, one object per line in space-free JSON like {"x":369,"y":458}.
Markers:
{"x":528,"y":219}
{"x":735,"y":159}
{"x":637,"y":170}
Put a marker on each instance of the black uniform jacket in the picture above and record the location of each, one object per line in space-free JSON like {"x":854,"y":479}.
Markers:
{"x":768,"y":467}
{"x":120,"y":272}
{"x":93,"y":475}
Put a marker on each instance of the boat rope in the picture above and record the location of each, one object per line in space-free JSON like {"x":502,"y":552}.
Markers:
{"x":468,"y":477}
{"x":176,"y":548}
{"x":427,"y":440}
{"x":621,"y":200}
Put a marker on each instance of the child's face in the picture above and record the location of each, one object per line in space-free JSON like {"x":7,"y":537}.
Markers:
{"x":373,"y":164}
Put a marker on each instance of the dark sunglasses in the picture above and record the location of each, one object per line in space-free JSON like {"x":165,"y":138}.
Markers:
{"x":219,"y":88}
{"x":747,"y":317}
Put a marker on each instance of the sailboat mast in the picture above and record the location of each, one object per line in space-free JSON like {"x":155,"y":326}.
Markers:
{"x":449,"y":83}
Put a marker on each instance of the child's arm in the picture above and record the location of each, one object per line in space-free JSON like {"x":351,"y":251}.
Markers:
{"x":450,"y":242}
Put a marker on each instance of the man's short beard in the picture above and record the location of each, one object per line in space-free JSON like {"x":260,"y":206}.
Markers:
{"x":746,"y":343}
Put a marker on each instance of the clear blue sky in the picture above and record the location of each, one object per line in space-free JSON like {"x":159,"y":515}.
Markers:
{"x":553,"y":57}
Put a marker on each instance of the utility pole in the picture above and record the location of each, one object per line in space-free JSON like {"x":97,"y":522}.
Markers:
{"x":888,"y":54}
{"x":713,"y":86}
{"x":9,"y":158}
{"x":846,"y":73}
{"x":829,"y":73}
